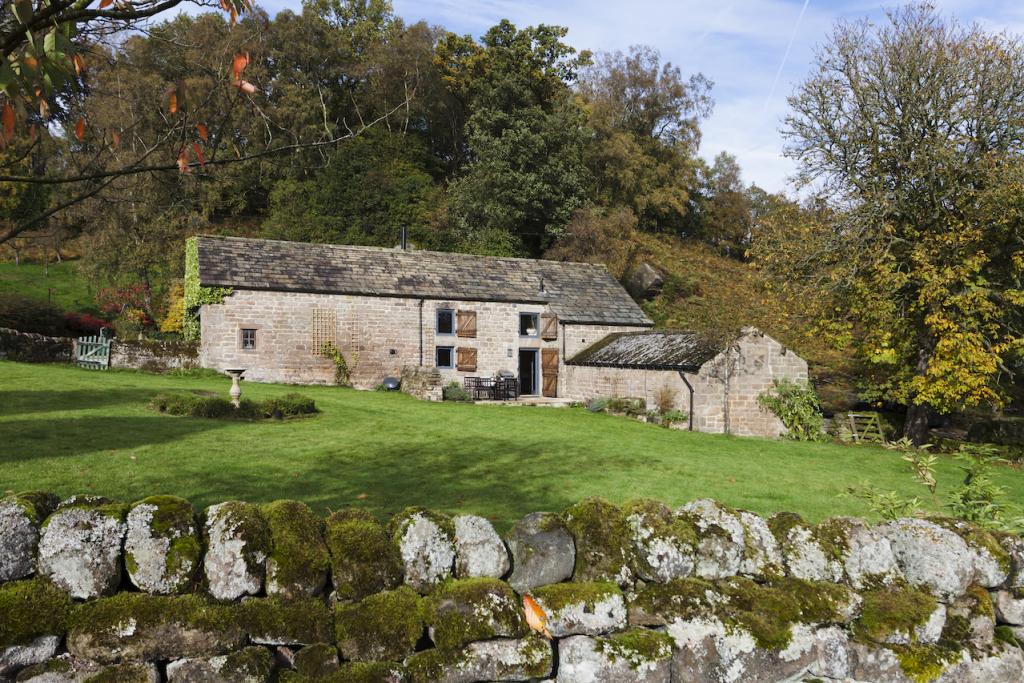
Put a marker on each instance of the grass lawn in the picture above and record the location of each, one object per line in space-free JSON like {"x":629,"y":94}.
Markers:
{"x":62,"y":285}
{"x":80,"y":431}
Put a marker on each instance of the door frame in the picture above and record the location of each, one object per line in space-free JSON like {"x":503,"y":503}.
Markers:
{"x":534,"y":390}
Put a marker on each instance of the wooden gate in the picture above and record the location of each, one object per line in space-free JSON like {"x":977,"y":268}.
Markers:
{"x":549,"y":372}
{"x":93,"y":352}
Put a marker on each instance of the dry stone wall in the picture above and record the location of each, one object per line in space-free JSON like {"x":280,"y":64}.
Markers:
{"x":95,"y":590}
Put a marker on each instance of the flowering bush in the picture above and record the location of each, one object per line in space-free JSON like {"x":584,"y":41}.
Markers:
{"x":84,"y":324}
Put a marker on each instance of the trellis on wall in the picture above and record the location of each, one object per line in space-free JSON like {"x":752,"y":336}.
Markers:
{"x":324,"y":330}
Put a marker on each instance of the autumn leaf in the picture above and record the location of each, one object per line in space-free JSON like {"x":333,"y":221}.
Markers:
{"x":8,"y":120}
{"x":115,"y":138}
{"x":80,"y":129}
{"x":31,"y":62}
{"x":536,"y":617}
{"x":172,"y":99}
{"x":106,"y":3}
{"x":203,"y":135}
{"x":238,"y":65}
{"x":183,"y":161}
{"x":79,"y":64}
{"x":199,"y":154}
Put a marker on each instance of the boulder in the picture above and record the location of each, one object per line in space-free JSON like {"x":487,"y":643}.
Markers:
{"x":931,"y":555}
{"x":237,"y":546}
{"x":645,"y":282}
{"x":161,"y":548}
{"x":383,"y":626}
{"x":426,"y":542}
{"x":142,"y":627}
{"x":866,"y":554}
{"x":479,"y":550}
{"x":364,"y":560}
{"x":32,"y":609}
{"x":319,"y":660}
{"x":637,"y":656}
{"x":1002,"y":663}
{"x":20,"y":517}
{"x":275,"y":621}
{"x":664,"y":543}
{"x":971,"y":619}
{"x":899,"y":615}
{"x":542,"y":550}
{"x":501,"y":659}
{"x":298,"y":562}
{"x":762,"y":558}
{"x":80,"y":547}
{"x":721,"y":535}
{"x":1009,"y":607}
{"x":68,"y":669}
{"x":248,"y":665}
{"x":832,"y":654}
{"x":465,"y":610}
{"x":16,"y":657}
{"x":992,"y":564}
{"x":604,"y":542}
{"x":803,"y":555}
{"x":587,"y":609}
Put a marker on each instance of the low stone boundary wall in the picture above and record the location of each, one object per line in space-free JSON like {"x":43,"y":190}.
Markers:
{"x":28,"y":347}
{"x":153,"y":355}
{"x":96,"y":590}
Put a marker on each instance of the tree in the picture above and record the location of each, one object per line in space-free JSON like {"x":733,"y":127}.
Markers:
{"x":525,"y":176}
{"x":912,"y":130}
{"x":645,"y":119}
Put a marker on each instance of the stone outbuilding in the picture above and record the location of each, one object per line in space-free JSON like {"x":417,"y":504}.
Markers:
{"x":716,"y":385}
{"x":290,"y":310}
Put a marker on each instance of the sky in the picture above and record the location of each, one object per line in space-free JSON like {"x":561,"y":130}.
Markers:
{"x":755,"y":51}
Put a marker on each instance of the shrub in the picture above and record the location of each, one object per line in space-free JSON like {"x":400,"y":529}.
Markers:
{"x":798,"y":408}
{"x":627,"y":406}
{"x":455,"y":392}
{"x":30,"y":315}
{"x":83,"y":324}
{"x":665,"y":399}
{"x":670,"y":417}
{"x":197,"y":405}
{"x":289,"y":405}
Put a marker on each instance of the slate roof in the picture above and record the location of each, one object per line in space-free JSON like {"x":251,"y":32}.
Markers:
{"x":575,"y":292}
{"x":649,"y":351}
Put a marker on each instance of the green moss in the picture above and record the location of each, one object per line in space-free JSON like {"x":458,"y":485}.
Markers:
{"x":317,"y":660}
{"x":98,"y":504}
{"x":430,"y":666}
{"x":400,"y":522}
{"x":299,"y":561}
{"x":637,"y":646}
{"x":248,"y":524}
{"x":532,"y":661}
{"x":924,"y":663}
{"x":982,"y":600}
{"x":781,"y":523}
{"x":32,"y":608}
{"x":604,"y":541}
{"x":833,"y":536}
{"x":195,"y":294}
{"x":122,"y":673}
{"x":383,"y":626}
{"x":977,"y":538}
{"x":897,"y":609}
{"x":183,"y":555}
{"x":364,"y":560}
{"x":686,"y":599}
{"x":173,"y":518}
{"x":366,"y":672}
{"x":1004,"y":634}
{"x":57,"y":665}
{"x":558,"y":596}
{"x":956,"y":631}
{"x":301,"y":621}
{"x":663,"y":524}
{"x":37,"y":504}
{"x":762,"y":611}
{"x":248,"y":663}
{"x":465,"y":610}
{"x":816,"y":602}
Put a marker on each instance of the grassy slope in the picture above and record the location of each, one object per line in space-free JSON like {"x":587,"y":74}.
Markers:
{"x":79,"y":431}
{"x":69,"y":292}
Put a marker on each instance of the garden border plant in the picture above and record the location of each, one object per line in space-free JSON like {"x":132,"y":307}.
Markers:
{"x":194,"y":404}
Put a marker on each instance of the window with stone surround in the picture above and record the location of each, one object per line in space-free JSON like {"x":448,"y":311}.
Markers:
{"x":445,"y":321}
{"x":247,"y":338}
{"x":324,"y":330}
{"x":444,"y":357}
{"x":528,"y":326}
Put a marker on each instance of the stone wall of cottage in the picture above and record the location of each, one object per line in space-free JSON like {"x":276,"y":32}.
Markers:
{"x":378,"y":336}
{"x":725,"y":389}
{"x":159,"y":591}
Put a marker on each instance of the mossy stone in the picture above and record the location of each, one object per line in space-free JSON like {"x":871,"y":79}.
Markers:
{"x":123,"y":673}
{"x":298,"y":562}
{"x":37,"y":505}
{"x":683,"y":599}
{"x":249,"y":663}
{"x":172,"y":521}
{"x":32,"y":608}
{"x":273,"y":621}
{"x":464,"y":610}
{"x":364,"y":559}
{"x":664,"y":543}
{"x":383,"y":626}
{"x":142,"y":627}
{"x":225,"y":525}
{"x":890,"y":610}
{"x":426,"y":543}
{"x":924,"y":663}
{"x":317,"y":660}
{"x":979,"y":539}
{"x":604,"y":542}
{"x":638,"y":647}
{"x":351,"y":672}
{"x":558,"y":596}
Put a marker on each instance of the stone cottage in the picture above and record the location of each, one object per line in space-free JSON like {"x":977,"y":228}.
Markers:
{"x":566,"y":330}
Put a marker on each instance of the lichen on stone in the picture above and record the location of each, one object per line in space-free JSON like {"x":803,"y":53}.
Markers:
{"x":637,"y":646}
{"x":364,"y":559}
{"x":252,"y":663}
{"x":464,"y":610}
{"x":162,"y":550}
{"x":237,"y":546}
{"x":426,"y":543}
{"x":664,"y":543}
{"x":32,"y":608}
{"x":892,"y":610}
{"x":604,"y":542}
{"x":298,"y":562}
{"x":128,"y":672}
{"x":383,"y":626}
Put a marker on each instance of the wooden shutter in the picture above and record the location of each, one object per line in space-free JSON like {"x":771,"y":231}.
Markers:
{"x":466,"y":359}
{"x":466,"y":324}
{"x":548,"y":327}
{"x":549,"y":371}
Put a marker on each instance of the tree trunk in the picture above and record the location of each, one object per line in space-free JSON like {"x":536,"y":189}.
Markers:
{"x":916,"y":426}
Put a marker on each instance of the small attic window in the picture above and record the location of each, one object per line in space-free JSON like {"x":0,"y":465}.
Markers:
{"x":528,"y":326}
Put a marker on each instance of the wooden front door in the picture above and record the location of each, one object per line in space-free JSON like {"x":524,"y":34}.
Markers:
{"x":549,"y":371}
